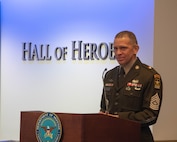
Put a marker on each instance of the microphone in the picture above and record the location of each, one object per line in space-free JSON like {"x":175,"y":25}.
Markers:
{"x":104,"y":92}
{"x":103,"y":74}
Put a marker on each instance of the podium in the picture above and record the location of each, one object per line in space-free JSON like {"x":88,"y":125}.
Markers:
{"x":83,"y":128}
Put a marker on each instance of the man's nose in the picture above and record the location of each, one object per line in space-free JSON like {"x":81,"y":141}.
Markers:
{"x":118,"y":51}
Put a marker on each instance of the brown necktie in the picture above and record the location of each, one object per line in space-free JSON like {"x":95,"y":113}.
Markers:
{"x":121,"y":75}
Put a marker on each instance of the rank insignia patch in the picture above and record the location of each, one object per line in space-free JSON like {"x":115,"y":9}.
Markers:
{"x":155,"y":101}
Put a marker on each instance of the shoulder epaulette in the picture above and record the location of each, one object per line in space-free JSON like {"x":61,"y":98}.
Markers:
{"x":149,"y":68}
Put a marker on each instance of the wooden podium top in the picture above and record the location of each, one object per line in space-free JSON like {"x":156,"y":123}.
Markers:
{"x":83,"y":128}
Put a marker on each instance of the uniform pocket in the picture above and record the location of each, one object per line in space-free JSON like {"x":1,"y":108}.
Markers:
{"x":131,"y":99}
{"x":131,"y":92}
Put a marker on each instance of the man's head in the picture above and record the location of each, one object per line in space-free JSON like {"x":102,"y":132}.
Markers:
{"x":125,"y":47}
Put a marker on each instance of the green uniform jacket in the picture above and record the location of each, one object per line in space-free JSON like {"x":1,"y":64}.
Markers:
{"x":138,"y":97}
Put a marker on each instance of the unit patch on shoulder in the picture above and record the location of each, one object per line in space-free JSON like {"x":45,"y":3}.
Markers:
{"x":155,"y":102}
{"x":157,"y":83}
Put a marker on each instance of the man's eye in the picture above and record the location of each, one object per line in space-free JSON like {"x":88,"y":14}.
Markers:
{"x":115,"y":48}
{"x":120,"y":48}
{"x":123,"y":47}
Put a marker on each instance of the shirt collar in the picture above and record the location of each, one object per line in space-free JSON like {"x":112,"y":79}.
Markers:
{"x":129,"y":65}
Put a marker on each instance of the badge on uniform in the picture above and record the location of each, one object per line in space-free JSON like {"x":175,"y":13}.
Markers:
{"x":135,"y":83}
{"x":157,"y":83}
{"x":155,"y":102}
{"x":109,"y":84}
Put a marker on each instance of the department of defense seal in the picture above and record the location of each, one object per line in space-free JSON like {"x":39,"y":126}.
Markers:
{"x":48,"y":128}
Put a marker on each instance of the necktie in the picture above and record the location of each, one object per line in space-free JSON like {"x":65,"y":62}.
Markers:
{"x":121,"y":75}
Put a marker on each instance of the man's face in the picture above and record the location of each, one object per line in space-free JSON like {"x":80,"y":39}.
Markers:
{"x":124,"y":50}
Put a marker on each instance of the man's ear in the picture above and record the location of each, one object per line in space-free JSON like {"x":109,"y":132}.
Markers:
{"x":136,"y":49}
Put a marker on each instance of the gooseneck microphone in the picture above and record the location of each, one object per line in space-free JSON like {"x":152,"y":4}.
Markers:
{"x":104,"y":92}
{"x":104,"y":73}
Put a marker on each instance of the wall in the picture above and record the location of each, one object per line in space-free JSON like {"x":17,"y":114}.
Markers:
{"x":165,"y":50}
{"x":165,"y":62}
{"x":73,"y":86}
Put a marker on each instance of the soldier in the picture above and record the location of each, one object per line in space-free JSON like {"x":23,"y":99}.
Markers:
{"x":132,"y":90}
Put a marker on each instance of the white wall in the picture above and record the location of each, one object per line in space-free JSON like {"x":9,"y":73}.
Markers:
{"x":165,"y":54}
{"x":165,"y":50}
{"x":62,"y":86}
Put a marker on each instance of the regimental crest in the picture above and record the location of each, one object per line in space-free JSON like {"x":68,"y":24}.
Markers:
{"x":48,"y":128}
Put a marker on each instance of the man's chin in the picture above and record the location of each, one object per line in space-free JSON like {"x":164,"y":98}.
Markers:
{"x":121,"y":62}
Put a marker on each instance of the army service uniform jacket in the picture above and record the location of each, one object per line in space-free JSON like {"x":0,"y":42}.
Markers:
{"x":137,"y":97}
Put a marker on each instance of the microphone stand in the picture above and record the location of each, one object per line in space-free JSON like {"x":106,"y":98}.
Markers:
{"x":104,"y":93}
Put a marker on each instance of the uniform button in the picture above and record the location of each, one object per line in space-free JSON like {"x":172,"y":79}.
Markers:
{"x":116,"y":103}
{"x":117,"y":94}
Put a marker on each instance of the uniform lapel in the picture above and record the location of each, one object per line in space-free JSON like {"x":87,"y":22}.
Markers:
{"x":116,"y":78}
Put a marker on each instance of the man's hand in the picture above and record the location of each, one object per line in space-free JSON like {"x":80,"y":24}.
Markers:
{"x":113,"y":115}
{"x":106,"y":113}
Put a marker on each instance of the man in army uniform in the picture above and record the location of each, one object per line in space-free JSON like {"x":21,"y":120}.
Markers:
{"x":132,"y":90}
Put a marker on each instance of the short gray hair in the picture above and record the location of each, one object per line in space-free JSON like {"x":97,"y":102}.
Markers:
{"x":130,"y":34}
